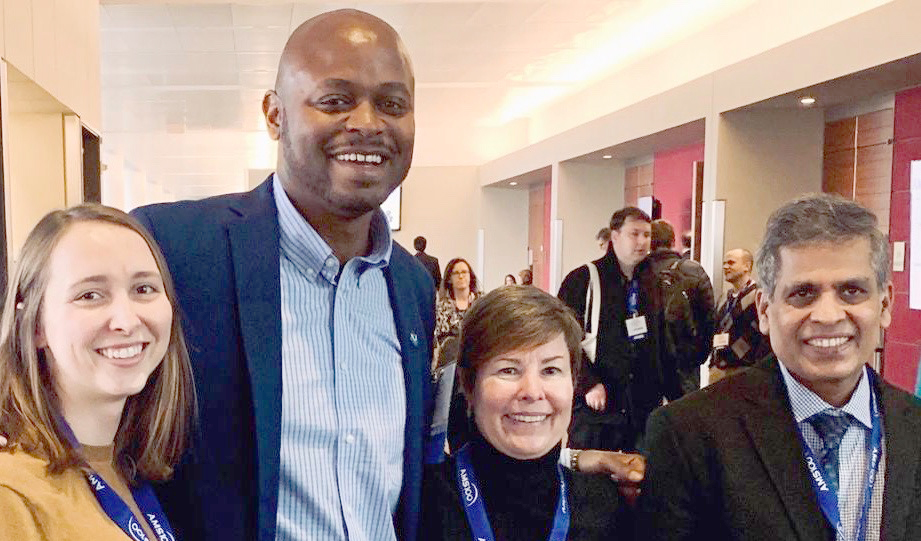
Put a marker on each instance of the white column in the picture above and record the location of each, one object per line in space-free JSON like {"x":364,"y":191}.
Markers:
{"x":73,"y":159}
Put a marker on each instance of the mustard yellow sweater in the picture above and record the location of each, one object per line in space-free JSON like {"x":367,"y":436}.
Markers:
{"x":35,"y":506}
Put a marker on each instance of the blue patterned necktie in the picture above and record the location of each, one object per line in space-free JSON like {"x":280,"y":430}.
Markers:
{"x":830,"y":425}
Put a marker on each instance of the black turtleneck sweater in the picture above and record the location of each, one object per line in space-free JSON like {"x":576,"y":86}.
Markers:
{"x":520,"y":497}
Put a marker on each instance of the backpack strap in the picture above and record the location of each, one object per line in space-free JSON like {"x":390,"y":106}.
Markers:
{"x":593,"y":299}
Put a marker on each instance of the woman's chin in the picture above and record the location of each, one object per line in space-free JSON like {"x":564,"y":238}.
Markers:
{"x":526,"y":450}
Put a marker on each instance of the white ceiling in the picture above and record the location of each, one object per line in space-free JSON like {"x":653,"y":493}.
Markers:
{"x":182,"y":83}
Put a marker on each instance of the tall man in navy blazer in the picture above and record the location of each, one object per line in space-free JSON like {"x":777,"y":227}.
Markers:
{"x":787,"y":449}
{"x":309,"y":330}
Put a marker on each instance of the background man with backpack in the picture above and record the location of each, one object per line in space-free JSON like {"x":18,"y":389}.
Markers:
{"x":627,"y":380}
{"x":687,"y":308}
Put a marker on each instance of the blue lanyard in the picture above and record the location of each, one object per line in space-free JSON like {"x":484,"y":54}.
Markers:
{"x":633,"y":298}
{"x":476,"y":512}
{"x":633,"y":305}
{"x":828,"y":501}
{"x":119,"y":512}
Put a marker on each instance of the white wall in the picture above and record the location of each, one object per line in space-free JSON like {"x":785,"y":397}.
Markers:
{"x":441,"y":204}
{"x":741,"y":36}
{"x":36,"y":183}
{"x":754,"y":55}
{"x":56,"y":44}
{"x":688,"y":103}
{"x":764,"y":158}
{"x":504,"y":217}
{"x":588,"y":195}
{"x":73,"y":158}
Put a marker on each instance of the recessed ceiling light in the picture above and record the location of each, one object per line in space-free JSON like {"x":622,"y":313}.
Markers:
{"x":513,"y":184}
{"x":607,"y":156}
{"x":807,"y":100}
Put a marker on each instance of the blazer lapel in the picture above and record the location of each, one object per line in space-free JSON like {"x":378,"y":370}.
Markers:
{"x":416,"y":351}
{"x":903,"y":445}
{"x":775,"y":436}
{"x":254,"y":246}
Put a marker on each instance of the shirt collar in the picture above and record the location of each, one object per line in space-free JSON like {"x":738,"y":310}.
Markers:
{"x":734,"y":291}
{"x":307,"y":250}
{"x":806,"y":403}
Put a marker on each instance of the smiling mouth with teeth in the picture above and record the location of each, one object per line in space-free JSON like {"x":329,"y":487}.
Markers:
{"x":373,"y":159}
{"x":827,"y":342}
{"x":521,"y":418}
{"x":121,"y":353}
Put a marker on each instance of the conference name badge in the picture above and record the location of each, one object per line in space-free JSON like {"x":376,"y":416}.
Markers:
{"x":721,"y":340}
{"x":636,"y":326}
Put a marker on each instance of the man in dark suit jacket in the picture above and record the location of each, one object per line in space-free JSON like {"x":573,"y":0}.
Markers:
{"x":342,"y":110}
{"x":429,"y":262}
{"x":784,"y":450}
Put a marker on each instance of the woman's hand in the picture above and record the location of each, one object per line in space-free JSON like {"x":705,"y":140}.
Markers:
{"x":597,"y":397}
{"x":625,"y":469}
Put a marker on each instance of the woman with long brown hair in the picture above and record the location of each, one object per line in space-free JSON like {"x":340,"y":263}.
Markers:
{"x":96,"y":392}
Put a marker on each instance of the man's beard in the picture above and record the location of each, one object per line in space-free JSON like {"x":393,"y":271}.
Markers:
{"x":320,"y":185}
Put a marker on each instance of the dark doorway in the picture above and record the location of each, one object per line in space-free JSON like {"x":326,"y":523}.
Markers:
{"x":92,"y":168}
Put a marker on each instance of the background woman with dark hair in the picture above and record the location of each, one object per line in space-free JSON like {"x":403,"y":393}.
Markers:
{"x":96,"y":392}
{"x":458,"y":291}
{"x":519,"y":356}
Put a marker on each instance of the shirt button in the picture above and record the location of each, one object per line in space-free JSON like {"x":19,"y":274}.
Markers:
{"x":349,"y":439}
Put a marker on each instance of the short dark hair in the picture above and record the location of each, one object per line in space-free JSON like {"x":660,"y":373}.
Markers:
{"x":513,"y":318}
{"x":619,"y":217}
{"x":820,"y":218}
{"x":419,"y":243}
{"x":604,"y":234}
{"x":663,"y":235}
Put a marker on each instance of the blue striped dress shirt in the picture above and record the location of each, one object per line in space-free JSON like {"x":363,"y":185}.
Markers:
{"x":343,"y":395}
{"x":853,"y":456}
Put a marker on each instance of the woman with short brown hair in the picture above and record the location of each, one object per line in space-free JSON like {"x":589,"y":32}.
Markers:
{"x":518,"y":359}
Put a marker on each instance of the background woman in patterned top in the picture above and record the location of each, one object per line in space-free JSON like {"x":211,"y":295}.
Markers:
{"x":458,"y":291}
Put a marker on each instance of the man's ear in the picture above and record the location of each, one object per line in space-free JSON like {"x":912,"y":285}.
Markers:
{"x":274,"y":114}
{"x":762,"y":302}
{"x":887,"y":300}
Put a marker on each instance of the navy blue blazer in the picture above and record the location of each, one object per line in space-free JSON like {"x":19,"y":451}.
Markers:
{"x":223,"y":254}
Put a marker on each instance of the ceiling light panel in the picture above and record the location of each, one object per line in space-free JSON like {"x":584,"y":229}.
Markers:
{"x":135,"y":15}
{"x":199,"y":40}
{"x":201,"y":16}
{"x":262,"y":15}
{"x":259,"y":40}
